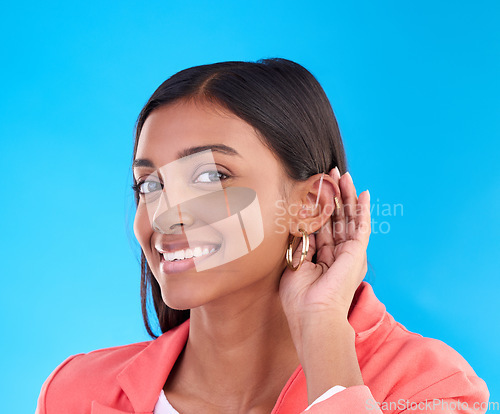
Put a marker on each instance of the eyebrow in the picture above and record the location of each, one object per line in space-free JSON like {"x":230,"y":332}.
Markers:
{"x":223,"y":149}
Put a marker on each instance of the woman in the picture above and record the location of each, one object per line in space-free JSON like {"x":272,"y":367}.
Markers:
{"x":230,"y":161}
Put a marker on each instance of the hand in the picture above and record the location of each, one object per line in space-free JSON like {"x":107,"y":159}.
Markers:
{"x":317,"y":297}
{"x":327,"y":287}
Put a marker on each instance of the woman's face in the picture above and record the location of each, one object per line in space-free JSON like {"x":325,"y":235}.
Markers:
{"x":195,"y":193}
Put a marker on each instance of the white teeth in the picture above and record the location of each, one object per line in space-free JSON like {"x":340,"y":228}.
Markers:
{"x":197,"y":252}
{"x":188,"y":253}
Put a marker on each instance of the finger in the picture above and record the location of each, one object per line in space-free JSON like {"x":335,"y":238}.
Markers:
{"x":364,"y":220}
{"x":350,"y":205}
{"x":365,"y":265}
{"x":324,"y":236}
{"x":338,"y":218}
{"x":312,"y":247}
{"x":325,"y":244}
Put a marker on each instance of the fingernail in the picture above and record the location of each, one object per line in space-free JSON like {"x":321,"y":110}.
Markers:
{"x":349,"y":175}
{"x":337,"y":172}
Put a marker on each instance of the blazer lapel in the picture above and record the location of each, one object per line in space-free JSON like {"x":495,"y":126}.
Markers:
{"x":144,"y":377}
{"x":102,"y":409}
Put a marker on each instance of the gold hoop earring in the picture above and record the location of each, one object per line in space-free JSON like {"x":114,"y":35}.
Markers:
{"x":305,"y":248}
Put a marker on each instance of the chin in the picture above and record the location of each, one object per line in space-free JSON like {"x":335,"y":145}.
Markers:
{"x":182,"y":300}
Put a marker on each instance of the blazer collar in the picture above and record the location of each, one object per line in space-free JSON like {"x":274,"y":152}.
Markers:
{"x":144,"y":377}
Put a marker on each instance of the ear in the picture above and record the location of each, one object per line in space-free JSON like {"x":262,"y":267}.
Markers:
{"x":316,"y":203}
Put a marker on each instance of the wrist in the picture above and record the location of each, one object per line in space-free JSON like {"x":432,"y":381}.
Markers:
{"x":327,"y":353}
{"x":314,"y":326}
{"x":324,"y":332}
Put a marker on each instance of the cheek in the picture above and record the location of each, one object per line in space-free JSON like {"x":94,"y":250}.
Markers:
{"x":142,"y":229}
{"x":276,"y":235}
{"x":276,"y":219}
{"x":270,"y":254}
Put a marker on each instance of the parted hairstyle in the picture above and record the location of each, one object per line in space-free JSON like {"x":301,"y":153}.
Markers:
{"x":288,"y":109}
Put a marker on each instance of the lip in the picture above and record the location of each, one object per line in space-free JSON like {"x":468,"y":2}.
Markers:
{"x":179,"y":266}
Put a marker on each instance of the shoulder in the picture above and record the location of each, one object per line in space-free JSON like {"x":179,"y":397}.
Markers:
{"x":85,"y":373}
{"x":421,"y":354}
{"x":404,"y":364}
{"x":101,"y":364}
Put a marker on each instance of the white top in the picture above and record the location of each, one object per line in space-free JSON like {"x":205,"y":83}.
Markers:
{"x":164,"y":407}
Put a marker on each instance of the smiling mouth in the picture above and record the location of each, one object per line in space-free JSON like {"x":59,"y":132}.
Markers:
{"x":186,"y":254}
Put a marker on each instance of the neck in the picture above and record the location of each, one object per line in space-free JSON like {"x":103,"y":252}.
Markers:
{"x":241,"y":346}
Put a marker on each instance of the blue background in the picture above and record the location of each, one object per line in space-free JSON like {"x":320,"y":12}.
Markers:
{"x":415,"y":89}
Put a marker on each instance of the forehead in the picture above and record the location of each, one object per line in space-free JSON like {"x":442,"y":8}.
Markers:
{"x":171,"y":128}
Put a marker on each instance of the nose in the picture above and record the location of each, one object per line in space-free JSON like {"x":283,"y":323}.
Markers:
{"x":171,"y":220}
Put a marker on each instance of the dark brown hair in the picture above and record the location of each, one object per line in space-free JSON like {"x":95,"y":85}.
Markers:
{"x":285,"y":104}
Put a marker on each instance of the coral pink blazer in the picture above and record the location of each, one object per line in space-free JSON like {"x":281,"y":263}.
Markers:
{"x":403,"y":372}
